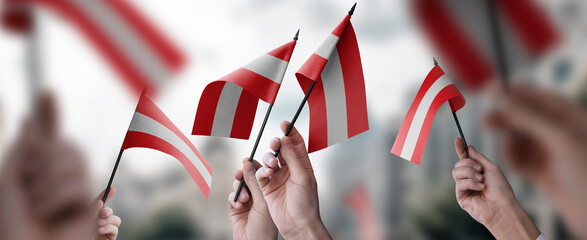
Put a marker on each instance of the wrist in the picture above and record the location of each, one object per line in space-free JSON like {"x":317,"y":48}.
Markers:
{"x":313,"y":229}
{"x":512,"y":222}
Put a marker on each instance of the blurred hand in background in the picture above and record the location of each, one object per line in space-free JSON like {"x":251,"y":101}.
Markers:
{"x":483,"y":191}
{"x":44,"y":184}
{"x":290,"y":188}
{"x":544,"y":138}
{"x":249,"y":214}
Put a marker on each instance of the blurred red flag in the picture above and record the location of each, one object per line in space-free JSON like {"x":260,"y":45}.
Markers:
{"x":360,"y":204}
{"x":338,"y":102}
{"x":150,"y":128}
{"x":16,"y":16}
{"x":460,"y":32}
{"x":227,"y":107}
{"x":133,"y":46}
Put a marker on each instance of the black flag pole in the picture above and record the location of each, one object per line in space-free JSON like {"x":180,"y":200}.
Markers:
{"x":118,"y":158}
{"x":259,"y":135}
{"x":498,"y":43}
{"x":456,"y":118}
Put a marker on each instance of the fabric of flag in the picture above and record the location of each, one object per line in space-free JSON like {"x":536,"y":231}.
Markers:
{"x":150,"y":128}
{"x":338,"y":105}
{"x":360,"y":204}
{"x":227,"y":107}
{"x":133,"y":46}
{"x":461,"y":33}
{"x":16,"y":16}
{"x":435,"y":91}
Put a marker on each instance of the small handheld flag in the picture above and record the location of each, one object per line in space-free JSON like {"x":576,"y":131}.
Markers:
{"x":150,"y":128}
{"x":338,"y":106}
{"x":227,"y":107}
{"x":436,"y":89}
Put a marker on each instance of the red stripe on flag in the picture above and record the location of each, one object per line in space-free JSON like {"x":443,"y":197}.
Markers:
{"x":318,"y":137}
{"x":159,"y":44}
{"x":447,"y":93}
{"x":149,"y":109}
{"x":354,"y":82}
{"x":244,"y":116}
{"x":341,"y":26}
{"x":284,"y":52}
{"x":106,"y":47}
{"x":207,"y":108}
{"x":530,"y":23}
{"x":447,"y":36}
{"x":256,"y":84}
{"x":400,"y":140}
{"x":143,"y":140}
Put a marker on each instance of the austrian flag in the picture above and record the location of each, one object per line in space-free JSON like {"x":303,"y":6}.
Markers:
{"x":150,"y":128}
{"x":435,"y":91}
{"x":227,"y":107}
{"x":338,"y":105}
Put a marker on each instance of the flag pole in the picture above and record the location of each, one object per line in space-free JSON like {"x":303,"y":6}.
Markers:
{"x":119,"y":157}
{"x":252,"y":156}
{"x":498,"y":44}
{"x":456,"y":118}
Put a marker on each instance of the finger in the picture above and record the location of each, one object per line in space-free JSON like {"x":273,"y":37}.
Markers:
{"x":106,"y":212}
{"x":48,"y":114}
{"x":296,"y":158}
{"x":274,"y":144}
{"x":234,"y":205}
{"x":523,"y":119}
{"x":110,"y":194}
{"x":238,"y":174}
{"x":114,"y":220}
{"x":243,"y":195}
{"x":467,"y":162}
{"x":108,"y":230}
{"x":480,"y":158}
{"x":270,"y":160}
{"x":466,"y":173}
{"x":460,"y":148}
{"x":296,"y":137}
{"x":255,"y":163}
{"x":469,"y":185}
{"x":263,"y":175}
{"x":252,"y":183}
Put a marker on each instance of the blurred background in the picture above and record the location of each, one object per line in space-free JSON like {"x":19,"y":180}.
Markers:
{"x":156,"y":197}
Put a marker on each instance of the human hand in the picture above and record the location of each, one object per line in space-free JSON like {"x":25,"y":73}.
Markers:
{"x":249,"y":214}
{"x":108,"y":223}
{"x":483,"y":191}
{"x":544,"y":137}
{"x":290,"y":188}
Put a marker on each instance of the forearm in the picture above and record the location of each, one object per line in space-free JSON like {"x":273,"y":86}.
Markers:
{"x":512,"y":222}
{"x":311,"y":230}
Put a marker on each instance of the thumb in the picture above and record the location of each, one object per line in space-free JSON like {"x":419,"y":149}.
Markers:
{"x":251,"y":181}
{"x":97,"y":204}
{"x":297,"y":161}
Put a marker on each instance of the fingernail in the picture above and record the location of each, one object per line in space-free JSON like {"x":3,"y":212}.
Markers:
{"x":478,"y":176}
{"x":477,"y":167}
{"x":481,"y":185}
{"x":238,"y":205}
{"x":266,"y":171}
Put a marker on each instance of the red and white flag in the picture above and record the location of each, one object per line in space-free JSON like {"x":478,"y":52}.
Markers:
{"x":150,"y":128}
{"x":435,"y":91}
{"x":137,"y":50}
{"x":460,"y":31}
{"x":338,"y":105}
{"x":227,"y":107}
{"x":360,"y":204}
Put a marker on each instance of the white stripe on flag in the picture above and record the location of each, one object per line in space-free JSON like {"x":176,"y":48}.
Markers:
{"x":125,"y":38}
{"x":327,"y":47}
{"x":268,"y":66}
{"x":145,"y":124}
{"x":226,"y":109}
{"x":335,"y":98}
{"x":421,"y":112}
